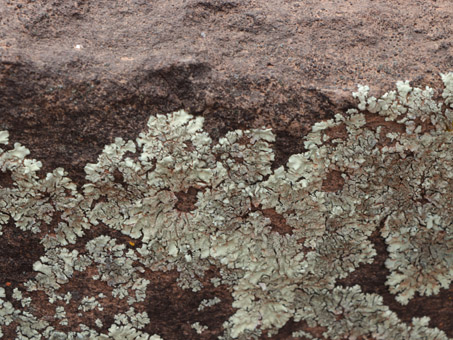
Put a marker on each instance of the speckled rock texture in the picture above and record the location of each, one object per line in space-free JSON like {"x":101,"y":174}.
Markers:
{"x":76,"y":74}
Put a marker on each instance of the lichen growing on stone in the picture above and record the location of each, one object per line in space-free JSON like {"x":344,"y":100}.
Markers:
{"x":395,"y":182}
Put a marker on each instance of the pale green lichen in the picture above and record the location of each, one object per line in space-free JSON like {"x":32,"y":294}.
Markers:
{"x":208,"y":303}
{"x":401,"y":180}
{"x":198,"y":327}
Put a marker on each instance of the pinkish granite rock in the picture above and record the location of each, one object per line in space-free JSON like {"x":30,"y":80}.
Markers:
{"x":76,"y":74}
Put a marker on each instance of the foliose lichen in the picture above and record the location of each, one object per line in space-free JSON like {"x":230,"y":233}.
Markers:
{"x":399,"y":179}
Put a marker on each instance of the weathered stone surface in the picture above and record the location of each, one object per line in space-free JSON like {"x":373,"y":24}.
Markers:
{"x":76,"y":74}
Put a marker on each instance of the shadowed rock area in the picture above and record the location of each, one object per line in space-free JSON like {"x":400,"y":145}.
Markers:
{"x":76,"y":74}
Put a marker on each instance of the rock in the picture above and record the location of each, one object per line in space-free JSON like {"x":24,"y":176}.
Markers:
{"x":76,"y":74}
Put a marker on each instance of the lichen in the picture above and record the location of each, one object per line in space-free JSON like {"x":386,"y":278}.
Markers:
{"x":397,"y":183}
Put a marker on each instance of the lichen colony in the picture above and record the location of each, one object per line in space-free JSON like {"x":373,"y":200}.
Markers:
{"x":394,"y":160}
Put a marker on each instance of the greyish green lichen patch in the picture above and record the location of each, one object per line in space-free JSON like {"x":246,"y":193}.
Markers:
{"x":402,"y":179}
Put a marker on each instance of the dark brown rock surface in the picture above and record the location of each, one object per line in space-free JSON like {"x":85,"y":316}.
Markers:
{"x":75,"y":74}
